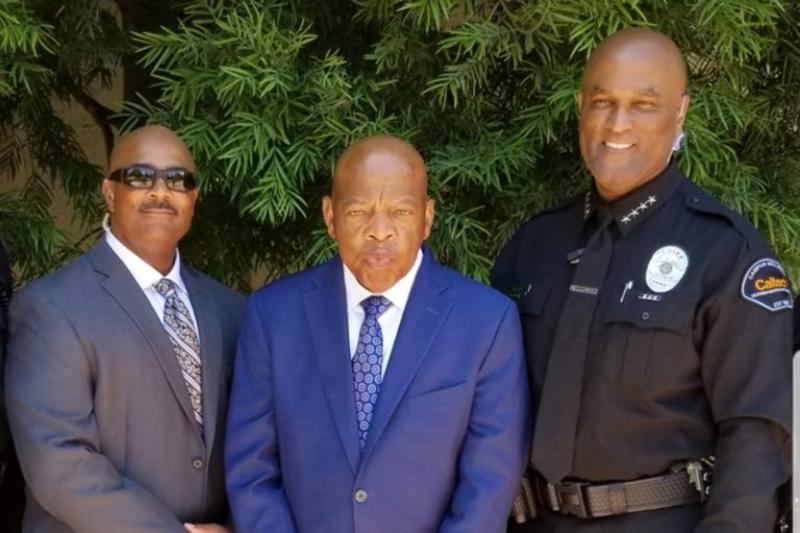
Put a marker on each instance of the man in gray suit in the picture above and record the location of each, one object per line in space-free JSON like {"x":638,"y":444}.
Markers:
{"x":118,"y":365}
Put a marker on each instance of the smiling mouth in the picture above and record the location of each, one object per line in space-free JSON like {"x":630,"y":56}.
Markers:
{"x":618,"y":146}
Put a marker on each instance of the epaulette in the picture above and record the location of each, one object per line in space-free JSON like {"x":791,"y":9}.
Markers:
{"x":697,"y":199}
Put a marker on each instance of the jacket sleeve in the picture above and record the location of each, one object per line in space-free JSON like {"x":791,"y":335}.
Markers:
{"x":495,"y":450}
{"x":49,"y":394}
{"x":255,"y":490}
{"x":746,"y":366}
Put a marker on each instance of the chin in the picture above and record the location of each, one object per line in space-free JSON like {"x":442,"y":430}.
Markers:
{"x":380,"y":282}
{"x":158,"y":237}
{"x":613,"y":179}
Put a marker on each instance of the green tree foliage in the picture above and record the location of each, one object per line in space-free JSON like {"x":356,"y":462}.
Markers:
{"x":56,"y":52}
{"x":267,"y":94}
{"x":27,"y":229}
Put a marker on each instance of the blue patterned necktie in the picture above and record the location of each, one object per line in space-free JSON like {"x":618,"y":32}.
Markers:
{"x":367,"y":363}
{"x":182,"y":334}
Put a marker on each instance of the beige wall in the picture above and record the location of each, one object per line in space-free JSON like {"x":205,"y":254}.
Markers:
{"x":90,"y":138}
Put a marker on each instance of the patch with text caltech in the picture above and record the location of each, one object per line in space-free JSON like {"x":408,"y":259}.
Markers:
{"x":765,"y":284}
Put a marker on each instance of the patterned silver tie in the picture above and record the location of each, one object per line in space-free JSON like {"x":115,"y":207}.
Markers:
{"x":182,"y":333}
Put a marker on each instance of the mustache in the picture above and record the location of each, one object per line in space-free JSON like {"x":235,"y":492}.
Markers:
{"x":158,"y":204}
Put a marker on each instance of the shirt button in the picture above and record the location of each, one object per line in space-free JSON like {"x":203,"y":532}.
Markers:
{"x":197,"y":463}
{"x":360,"y":496}
{"x":645,"y":316}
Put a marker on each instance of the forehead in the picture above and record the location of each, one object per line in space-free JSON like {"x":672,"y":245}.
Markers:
{"x":379,"y":173}
{"x":643,"y":68}
{"x":160,"y":151}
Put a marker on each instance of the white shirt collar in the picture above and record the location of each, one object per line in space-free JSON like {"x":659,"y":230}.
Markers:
{"x":397,"y":294}
{"x":145,"y":275}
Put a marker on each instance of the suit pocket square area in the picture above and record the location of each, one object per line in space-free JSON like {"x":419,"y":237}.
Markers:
{"x":442,"y":395}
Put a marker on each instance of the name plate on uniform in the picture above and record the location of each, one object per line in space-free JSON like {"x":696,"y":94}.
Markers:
{"x":582,"y":289}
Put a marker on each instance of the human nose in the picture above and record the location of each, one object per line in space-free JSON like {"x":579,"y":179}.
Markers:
{"x":619,"y":119}
{"x":160,"y":188}
{"x":380,"y":227}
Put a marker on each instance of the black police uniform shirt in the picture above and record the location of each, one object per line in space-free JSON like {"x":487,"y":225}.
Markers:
{"x":689,"y":350}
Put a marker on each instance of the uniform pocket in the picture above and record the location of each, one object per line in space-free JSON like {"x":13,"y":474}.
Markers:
{"x":646,"y":326}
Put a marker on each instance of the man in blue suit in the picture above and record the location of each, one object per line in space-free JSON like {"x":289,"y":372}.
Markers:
{"x":380,"y":391}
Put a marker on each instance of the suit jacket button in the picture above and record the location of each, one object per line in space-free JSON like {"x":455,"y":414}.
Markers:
{"x":197,"y":463}
{"x":361,"y":496}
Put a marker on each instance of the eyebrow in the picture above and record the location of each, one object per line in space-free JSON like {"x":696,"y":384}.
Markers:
{"x":359,"y":200}
{"x":649,"y":91}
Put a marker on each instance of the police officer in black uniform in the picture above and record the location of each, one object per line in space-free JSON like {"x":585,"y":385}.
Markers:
{"x":657,"y":327}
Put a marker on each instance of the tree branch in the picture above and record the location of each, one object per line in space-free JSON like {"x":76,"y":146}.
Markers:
{"x":102,"y":115}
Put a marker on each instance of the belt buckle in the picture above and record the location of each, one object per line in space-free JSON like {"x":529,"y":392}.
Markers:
{"x":568,"y":497}
{"x":700,"y":475}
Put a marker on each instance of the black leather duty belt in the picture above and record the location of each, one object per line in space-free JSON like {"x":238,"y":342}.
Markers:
{"x":685,"y":483}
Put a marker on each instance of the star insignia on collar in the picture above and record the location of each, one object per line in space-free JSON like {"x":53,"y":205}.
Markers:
{"x":639,"y":209}
{"x":587,"y":205}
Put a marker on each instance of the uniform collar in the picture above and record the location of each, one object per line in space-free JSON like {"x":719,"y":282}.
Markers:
{"x":637,"y":206}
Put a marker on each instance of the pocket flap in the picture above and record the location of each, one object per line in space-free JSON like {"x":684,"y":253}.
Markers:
{"x":674,"y":311}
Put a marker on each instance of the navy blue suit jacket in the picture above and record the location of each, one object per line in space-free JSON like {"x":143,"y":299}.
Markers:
{"x":449,"y":439}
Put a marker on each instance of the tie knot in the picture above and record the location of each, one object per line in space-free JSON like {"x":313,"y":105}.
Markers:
{"x":164,"y":286}
{"x":375,"y":306}
{"x":604,"y":217}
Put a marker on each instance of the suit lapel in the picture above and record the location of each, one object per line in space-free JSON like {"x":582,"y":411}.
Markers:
{"x":326,"y":311}
{"x":211,"y":353}
{"x":121,"y":286}
{"x":423,"y":316}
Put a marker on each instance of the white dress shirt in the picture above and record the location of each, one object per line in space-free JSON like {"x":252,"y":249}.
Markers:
{"x":390,"y":320}
{"x":146,"y":277}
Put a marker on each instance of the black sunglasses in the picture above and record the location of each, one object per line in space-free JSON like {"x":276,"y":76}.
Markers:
{"x":176,"y":179}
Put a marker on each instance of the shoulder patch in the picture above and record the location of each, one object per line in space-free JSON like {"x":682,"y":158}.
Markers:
{"x":765,"y":284}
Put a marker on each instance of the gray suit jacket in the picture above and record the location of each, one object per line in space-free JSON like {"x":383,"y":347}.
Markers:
{"x":99,"y":412}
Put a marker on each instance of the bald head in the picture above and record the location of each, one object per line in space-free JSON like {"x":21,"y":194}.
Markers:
{"x":638,"y":44}
{"x":633,"y":103}
{"x":148,"y":142}
{"x":379,"y":211}
{"x":378,"y":155}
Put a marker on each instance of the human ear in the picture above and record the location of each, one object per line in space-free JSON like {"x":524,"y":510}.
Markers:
{"x":327,"y":215}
